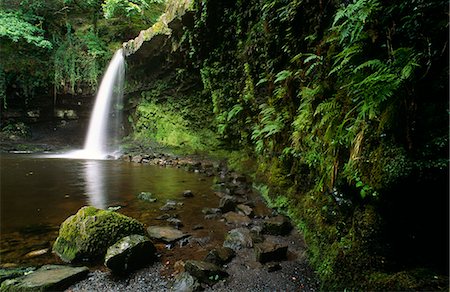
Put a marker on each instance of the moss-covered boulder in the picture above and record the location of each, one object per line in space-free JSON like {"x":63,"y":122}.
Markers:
{"x":89,"y":233}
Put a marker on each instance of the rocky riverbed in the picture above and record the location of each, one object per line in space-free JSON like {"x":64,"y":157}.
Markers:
{"x":259,"y":250}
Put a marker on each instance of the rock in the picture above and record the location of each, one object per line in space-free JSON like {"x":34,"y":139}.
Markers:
{"x":88,"y":233}
{"x":205,"y":272}
{"x":129,"y":253}
{"x":212,"y":216}
{"x":188,"y":194}
{"x":6,"y":274}
{"x":238,"y":238}
{"x":147,"y":196}
{"x":47,"y":278}
{"x":184,"y":282}
{"x":197,"y":227}
{"x":175,"y":222}
{"x":227,"y":203}
{"x":269,"y":251}
{"x":164,"y":216}
{"x":170,"y":205}
{"x":278,"y":225}
{"x":137,"y":159}
{"x":245,"y":209}
{"x":220,"y":256}
{"x":36,"y":253}
{"x":166,"y":234}
{"x":114,"y":208}
{"x":237,"y":219}
{"x":273,"y":267}
{"x":208,"y":211}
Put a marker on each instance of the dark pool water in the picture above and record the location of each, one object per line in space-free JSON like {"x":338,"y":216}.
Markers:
{"x":38,"y":193}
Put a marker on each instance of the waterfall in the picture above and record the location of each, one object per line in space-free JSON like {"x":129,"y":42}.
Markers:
{"x":103,"y":132}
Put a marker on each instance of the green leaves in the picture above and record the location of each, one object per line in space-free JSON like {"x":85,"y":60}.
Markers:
{"x":15,"y":26}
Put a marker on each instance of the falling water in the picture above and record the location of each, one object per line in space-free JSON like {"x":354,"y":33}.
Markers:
{"x":102,"y":136}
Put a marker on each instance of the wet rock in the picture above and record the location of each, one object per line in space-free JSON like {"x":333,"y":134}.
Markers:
{"x":184,"y":282}
{"x":114,"y":208}
{"x":278,"y":225}
{"x":188,"y":194}
{"x":212,"y":216}
{"x":273,"y":267}
{"x":237,"y":219}
{"x":89,"y":233}
{"x":170,"y":205}
{"x":227,"y":204}
{"x":208,"y":211}
{"x":36,"y":253}
{"x":164,"y":216}
{"x":205,"y":272}
{"x":6,"y":274}
{"x":129,"y":253}
{"x":197,"y":227}
{"x":165,"y":233}
{"x":175,"y":222}
{"x":137,"y":159}
{"x":246,"y":210}
{"x":126,"y":158}
{"x":147,"y":196}
{"x":238,"y":238}
{"x":270,"y":251}
{"x":220,"y":256}
{"x":47,"y":278}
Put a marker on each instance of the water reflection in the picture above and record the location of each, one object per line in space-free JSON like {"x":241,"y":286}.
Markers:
{"x":95,"y":183}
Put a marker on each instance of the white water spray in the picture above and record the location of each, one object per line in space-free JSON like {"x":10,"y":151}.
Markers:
{"x":101,"y":140}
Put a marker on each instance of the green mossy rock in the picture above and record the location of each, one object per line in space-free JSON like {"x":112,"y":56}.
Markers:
{"x":89,"y":233}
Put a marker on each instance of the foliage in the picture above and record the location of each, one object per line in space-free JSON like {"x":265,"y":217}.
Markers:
{"x":16,"y":26}
{"x":338,"y":103}
{"x":135,"y":8}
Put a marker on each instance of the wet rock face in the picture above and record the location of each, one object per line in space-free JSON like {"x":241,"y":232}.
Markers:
{"x":89,"y":233}
{"x":47,"y":278}
{"x":205,"y":272}
{"x":237,"y":219}
{"x":129,"y":253}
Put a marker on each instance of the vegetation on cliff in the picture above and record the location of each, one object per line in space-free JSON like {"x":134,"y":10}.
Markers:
{"x":343,"y":104}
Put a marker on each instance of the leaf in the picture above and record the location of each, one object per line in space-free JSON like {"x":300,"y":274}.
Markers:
{"x":283,"y":75}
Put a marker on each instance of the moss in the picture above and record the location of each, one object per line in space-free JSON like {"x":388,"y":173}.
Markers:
{"x":89,"y":232}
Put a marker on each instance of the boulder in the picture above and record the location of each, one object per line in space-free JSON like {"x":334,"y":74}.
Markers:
{"x":205,"y":272}
{"x":147,"y":196}
{"x":47,"y":278}
{"x":237,"y":219}
{"x":184,"y":282}
{"x":165,"y":233}
{"x":278,"y":225}
{"x":129,"y":253}
{"x":220,"y":256}
{"x":238,"y":238}
{"x":89,"y":233}
{"x":270,"y":251}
